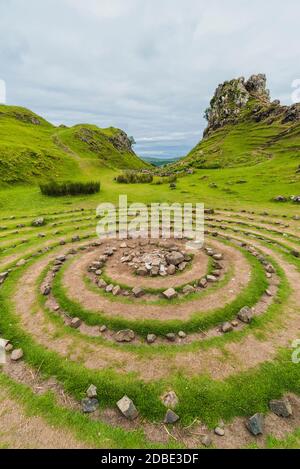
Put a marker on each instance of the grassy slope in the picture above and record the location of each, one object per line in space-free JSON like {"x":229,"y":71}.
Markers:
{"x":29,"y":152}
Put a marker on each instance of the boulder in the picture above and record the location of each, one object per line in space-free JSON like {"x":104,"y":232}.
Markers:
{"x":89,"y":405}
{"x":138,"y":292}
{"x":211,"y":278}
{"x":171,"y":269}
{"x":142,"y":271}
{"x":255,"y":424}
{"x":219,"y":431}
{"x":281,"y":407}
{"x":270,"y":269}
{"x":75,"y":323}
{"x":151,"y":338}
{"x":116,"y":290}
{"x":181,"y":335}
{"x":188,"y":289}
{"x":40,"y":221}
{"x":170,"y":293}
{"x":171,"y":337}
{"x":175,"y":258}
{"x":102,"y":283}
{"x":206,"y":441}
{"x":126,"y":335}
{"x":16,"y":355}
{"x":45,"y":290}
{"x":226,"y":327}
{"x":245,"y":315}
{"x":170,"y":399}
{"x":127,"y":408}
{"x":202,"y":283}
{"x":171,"y":417}
{"x":92,"y":391}
{"x":295,"y":253}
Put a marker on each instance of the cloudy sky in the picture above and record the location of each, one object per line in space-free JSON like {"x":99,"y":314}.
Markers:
{"x":146,"y":66}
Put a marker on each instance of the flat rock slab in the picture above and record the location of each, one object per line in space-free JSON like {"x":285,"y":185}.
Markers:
{"x":170,"y":294}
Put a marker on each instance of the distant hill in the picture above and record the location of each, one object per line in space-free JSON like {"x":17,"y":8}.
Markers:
{"x":33,"y":149}
{"x":160,"y":161}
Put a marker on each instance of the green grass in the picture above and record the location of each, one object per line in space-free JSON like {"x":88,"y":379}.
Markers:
{"x":32,"y":149}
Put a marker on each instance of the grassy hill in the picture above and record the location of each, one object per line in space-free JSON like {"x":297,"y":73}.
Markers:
{"x":33,"y":149}
{"x":248,"y":143}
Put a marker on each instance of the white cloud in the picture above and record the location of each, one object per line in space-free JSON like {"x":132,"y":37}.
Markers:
{"x":149,"y":67}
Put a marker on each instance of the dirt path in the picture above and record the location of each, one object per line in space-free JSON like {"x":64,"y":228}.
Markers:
{"x":21,"y":431}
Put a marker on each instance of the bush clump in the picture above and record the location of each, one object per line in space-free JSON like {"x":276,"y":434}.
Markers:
{"x":134,"y":177}
{"x":58,"y":189}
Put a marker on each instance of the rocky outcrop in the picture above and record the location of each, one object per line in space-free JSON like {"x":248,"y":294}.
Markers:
{"x":232,"y":100}
{"x":96,"y":140}
{"x":121,"y":141}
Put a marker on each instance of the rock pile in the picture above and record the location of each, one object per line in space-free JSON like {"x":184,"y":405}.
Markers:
{"x":159,"y":262}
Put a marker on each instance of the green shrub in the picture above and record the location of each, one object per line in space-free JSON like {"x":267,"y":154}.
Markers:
{"x":58,"y":189}
{"x":134,"y":177}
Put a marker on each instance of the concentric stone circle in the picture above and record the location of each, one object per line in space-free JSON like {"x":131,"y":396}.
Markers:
{"x":89,"y":323}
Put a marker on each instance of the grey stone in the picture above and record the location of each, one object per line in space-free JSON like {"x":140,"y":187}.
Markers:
{"x":171,"y":417}
{"x":206,"y":441}
{"x":188,"y":289}
{"x":295,"y":253}
{"x":270,"y":269}
{"x":75,"y":323}
{"x":151,"y":338}
{"x":202,"y":283}
{"x":218,"y":256}
{"x":92,"y":391}
{"x":127,"y":408}
{"x":171,"y":337}
{"x":175,"y":258}
{"x":89,"y":405}
{"x":126,"y":335}
{"x":170,"y":293}
{"x":182,"y":266}
{"x":181,"y":335}
{"x":45,"y":290}
{"x":281,"y":407}
{"x":116,"y":290}
{"x":102,"y":283}
{"x":226,"y":327}
{"x":142,"y":271}
{"x":170,"y":399}
{"x":138,"y":292}
{"x":17,"y":354}
{"x":219,"y":431}
{"x":255,"y":424}
{"x":245,"y":315}
{"x":40,"y":221}
{"x":171,"y":269}
{"x":103,"y":328}
{"x":211,"y":278}
{"x":154,"y":271}
{"x":109,"y":288}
